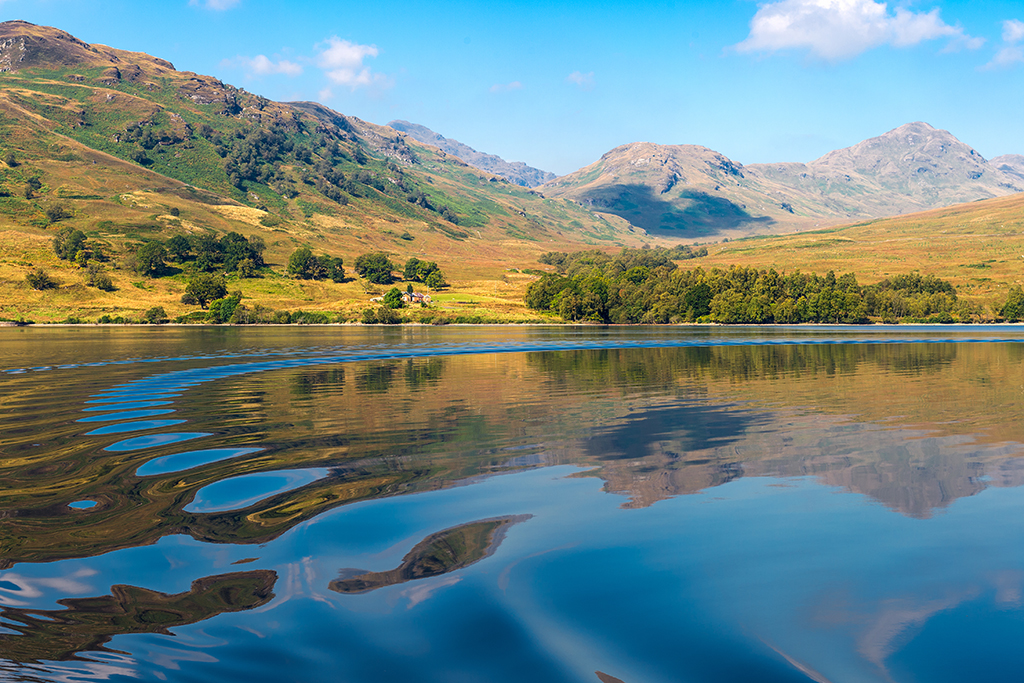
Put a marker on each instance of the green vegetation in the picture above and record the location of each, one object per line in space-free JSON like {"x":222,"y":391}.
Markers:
{"x":375,"y":267}
{"x":304,"y":266}
{"x":203,"y":288}
{"x":641,"y":286}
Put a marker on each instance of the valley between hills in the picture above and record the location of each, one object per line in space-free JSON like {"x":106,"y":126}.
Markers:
{"x":126,"y":150}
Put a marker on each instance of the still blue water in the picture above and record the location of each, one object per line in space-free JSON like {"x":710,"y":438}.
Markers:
{"x":509,"y":504}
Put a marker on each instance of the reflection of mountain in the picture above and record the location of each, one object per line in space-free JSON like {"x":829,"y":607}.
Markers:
{"x":86,"y":624}
{"x":897,"y":422}
{"x":440,"y":553}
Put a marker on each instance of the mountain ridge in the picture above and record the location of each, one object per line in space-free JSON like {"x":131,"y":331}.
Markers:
{"x":691,"y":191}
{"x":516,"y":171}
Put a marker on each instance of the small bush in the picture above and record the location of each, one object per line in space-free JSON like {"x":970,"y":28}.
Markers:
{"x":155,"y":316}
{"x":39,"y":279}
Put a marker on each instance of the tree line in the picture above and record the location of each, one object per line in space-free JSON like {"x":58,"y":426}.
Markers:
{"x":646,"y":286}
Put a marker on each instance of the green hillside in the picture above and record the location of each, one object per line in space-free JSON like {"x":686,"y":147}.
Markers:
{"x":127,"y":150}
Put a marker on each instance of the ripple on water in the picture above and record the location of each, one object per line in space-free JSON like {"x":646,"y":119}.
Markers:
{"x":152,"y":440}
{"x":243,"y":491}
{"x":126,"y":406}
{"x":185,"y":461}
{"x":123,"y":427}
{"x":127,"y":415}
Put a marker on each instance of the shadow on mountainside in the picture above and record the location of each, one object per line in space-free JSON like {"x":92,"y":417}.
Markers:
{"x":693,"y":214}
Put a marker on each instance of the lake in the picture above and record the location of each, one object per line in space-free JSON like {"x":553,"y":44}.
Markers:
{"x":512,"y":504}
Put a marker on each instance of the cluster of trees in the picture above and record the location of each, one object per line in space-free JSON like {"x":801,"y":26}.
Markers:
{"x":576,"y":262}
{"x":1013,"y":310}
{"x":263,"y":153}
{"x":71,"y":245}
{"x":426,"y":272}
{"x":375,"y":267}
{"x":231,"y":253}
{"x":635,"y":287}
{"x":305,"y":266}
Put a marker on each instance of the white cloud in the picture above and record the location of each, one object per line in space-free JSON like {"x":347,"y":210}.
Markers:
{"x":584,"y":81}
{"x":1013,"y":31}
{"x":219,"y":5}
{"x":342,"y":61}
{"x":506,"y":87}
{"x":840,"y":29}
{"x":1011,"y":53}
{"x":261,"y":65}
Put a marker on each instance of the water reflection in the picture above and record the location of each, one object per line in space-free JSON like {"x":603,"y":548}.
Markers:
{"x":441,"y":553}
{"x":272,"y":445}
{"x":87,"y":624}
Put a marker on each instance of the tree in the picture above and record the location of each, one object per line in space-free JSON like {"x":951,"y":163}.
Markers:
{"x":179,"y":248}
{"x":1013,"y":309}
{"x":41,"y":280}
{"x":203,"y":288}
{"x":149,"y":259}
{"x":303,"y":265}
{"x":393,"y":299}
{"x":11,"y":160}
{"x":436,"y":280}
{"x":57,"y":213}
{"x":375,"y":267}
{"x":68,"y":242}
{"x":155,"y":316}
{"x":96,"y":277}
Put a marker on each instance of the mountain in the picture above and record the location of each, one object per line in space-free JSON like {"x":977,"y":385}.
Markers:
{"x":125,"y":148}
{"x":691,"y":191}
{"x":515,"y":171}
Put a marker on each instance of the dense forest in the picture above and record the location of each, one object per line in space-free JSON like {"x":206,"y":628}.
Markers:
{"x":647,"y":286}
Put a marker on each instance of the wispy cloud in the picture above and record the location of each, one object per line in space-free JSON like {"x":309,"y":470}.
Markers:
{"x":1011,"y":53}
{"x":583,"y":81}
{"x":841,"y":29}
{"x":261,"y":65}
{"x":342,"y":62}
{"x":1013,"y":31}
{"x":506,"y":87}
{"x":218,"y":5}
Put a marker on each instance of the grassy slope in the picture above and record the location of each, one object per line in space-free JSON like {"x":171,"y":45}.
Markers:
{"x":67,"y":126}
{"x":979,"y":247}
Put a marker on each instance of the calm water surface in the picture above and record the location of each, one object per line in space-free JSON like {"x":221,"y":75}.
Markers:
{"x":512,"y":504}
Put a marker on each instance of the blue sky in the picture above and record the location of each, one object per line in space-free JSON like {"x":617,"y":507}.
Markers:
{"x":557,"y":84}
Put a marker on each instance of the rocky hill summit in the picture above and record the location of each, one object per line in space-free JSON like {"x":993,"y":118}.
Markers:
{"x":514,"y":171}
{"x":692,"y":191}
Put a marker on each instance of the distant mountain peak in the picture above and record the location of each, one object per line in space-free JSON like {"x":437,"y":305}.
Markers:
{"x":515,"y":171}
{"x":692,"y":191}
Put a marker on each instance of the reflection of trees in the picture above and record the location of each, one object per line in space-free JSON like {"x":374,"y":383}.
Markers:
{"x":87,"y":624}
{"x":309,"y":383}
{"x":654,"y":422}
{"x":437,"y":554}
{"x":421,"y":373}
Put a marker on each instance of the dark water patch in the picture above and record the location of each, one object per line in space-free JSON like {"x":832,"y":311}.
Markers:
{"x":245,"y":490}
{"x":153,"y":440}
{"x":441,"y":553}
{"x":184,"y":461}
{"x":127,"y":415}
{"x":134,"y":426}
{"x":88,"y":624}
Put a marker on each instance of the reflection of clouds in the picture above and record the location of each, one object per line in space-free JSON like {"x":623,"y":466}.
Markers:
{"x":897,"y":617}
{"x":803,"y":668}
{"x":114,"y":664}
{"x":300,"y":582}
{"x":32,"y":587}
{"x":418,"y":594}
{"x":1008,"y":584}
